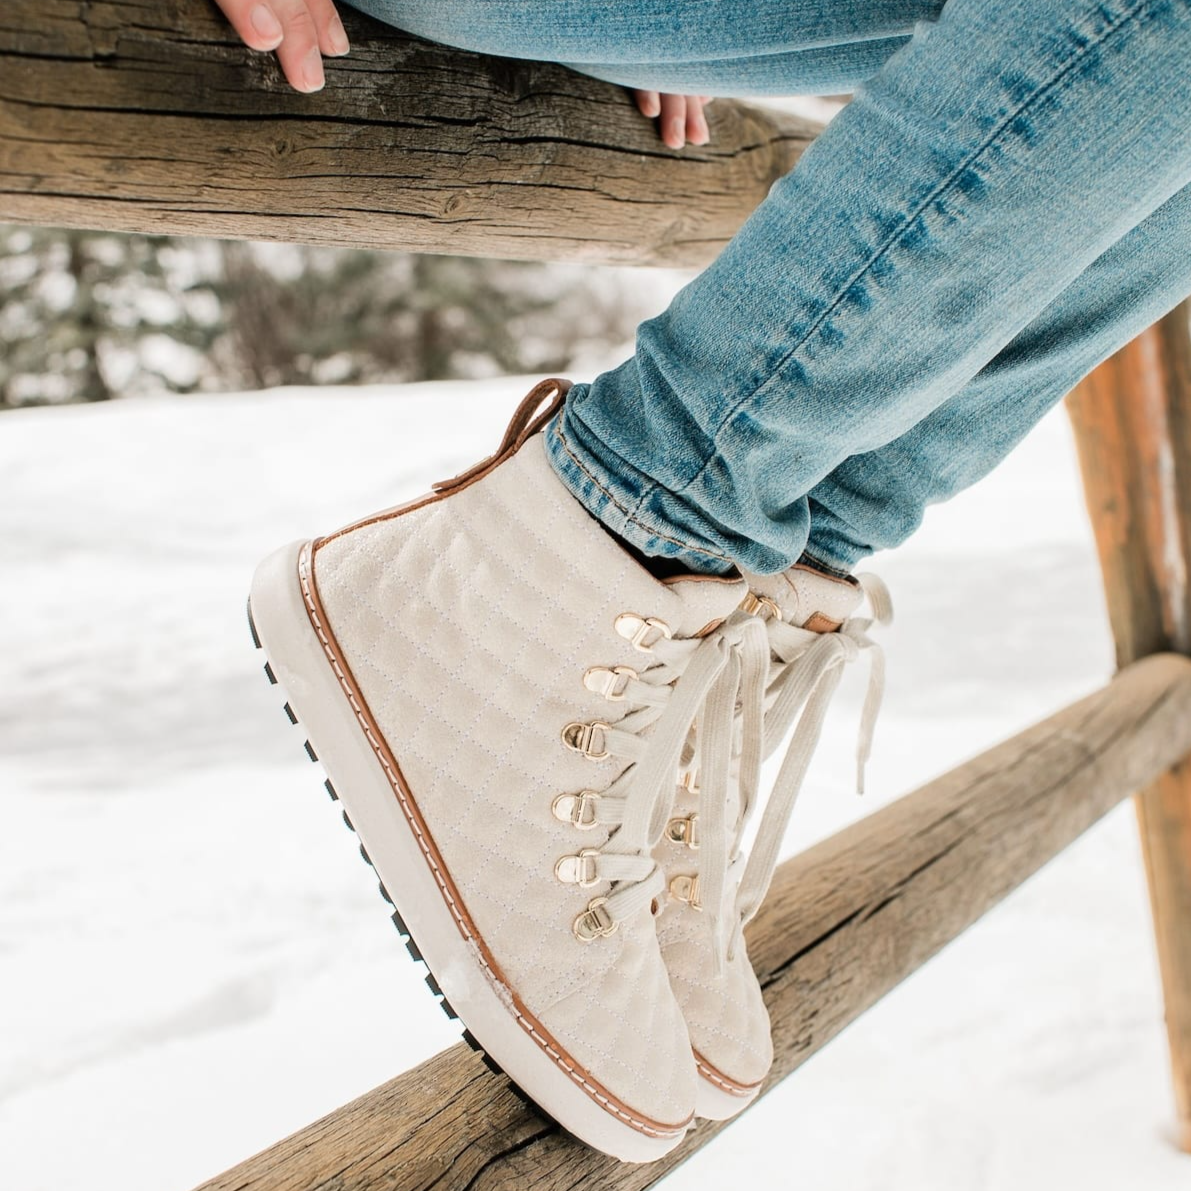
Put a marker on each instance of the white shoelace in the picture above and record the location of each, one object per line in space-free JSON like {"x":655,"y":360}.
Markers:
{"x":694,"y":681}
{"x":719,"y":684}
{"x":809,"y":667}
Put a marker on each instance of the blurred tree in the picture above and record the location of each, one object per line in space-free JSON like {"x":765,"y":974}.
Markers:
{"x":88,"y":315}
{"x":81,"y":314}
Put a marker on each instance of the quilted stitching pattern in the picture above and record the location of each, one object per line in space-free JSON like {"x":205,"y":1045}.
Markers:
{"x":469,"y":624}
{"x":725,"y":1015}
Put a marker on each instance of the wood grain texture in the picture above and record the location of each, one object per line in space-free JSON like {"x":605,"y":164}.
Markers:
{"x":843,"y":924}
{"x":150,"y":116}
{"x":1132,"y":418}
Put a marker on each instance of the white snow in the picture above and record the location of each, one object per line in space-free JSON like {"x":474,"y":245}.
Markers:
{"x":195,"y":962}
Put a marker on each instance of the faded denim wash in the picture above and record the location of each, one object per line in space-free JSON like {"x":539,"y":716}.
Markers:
{"x":1004,"y":202}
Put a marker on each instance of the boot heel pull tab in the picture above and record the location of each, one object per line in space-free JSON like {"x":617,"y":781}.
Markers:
{"x":528,"y":418}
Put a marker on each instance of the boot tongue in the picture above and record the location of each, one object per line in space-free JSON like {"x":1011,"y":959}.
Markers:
{"x":808,"y":598}
{"x":694,"y":604}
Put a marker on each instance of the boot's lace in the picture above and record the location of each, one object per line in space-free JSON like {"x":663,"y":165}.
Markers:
{"x":695,"y":681}
{"x":805,"y":670}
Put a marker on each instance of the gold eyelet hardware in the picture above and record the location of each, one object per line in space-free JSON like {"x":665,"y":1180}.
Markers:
{"x":595,"y":922}
{"x":688,"y":781}
{"x":577,"y":809}
{"x":685,"y":888}
{"x":684,"y":830}
{"x":640,"y":631}
{"x":761,"y":606}
{"x":611,"y":683}
{"x":579,"y":869}
{"x":582,"y":739}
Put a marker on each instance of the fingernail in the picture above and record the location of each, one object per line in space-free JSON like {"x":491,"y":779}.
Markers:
{"x":265,"y":23}
{"x":312,"y":71}
{"x":677,"y":132}
{"x":337,"y":36}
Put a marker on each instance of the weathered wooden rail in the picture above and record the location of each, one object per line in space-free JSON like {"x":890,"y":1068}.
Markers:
{"x":150,"y":116}
{"x":843,"y":924}
{"x":147,"y":115}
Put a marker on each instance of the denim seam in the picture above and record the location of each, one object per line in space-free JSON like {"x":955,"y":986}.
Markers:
{"x":942,"y":189}
{"x":829,"y":567}
{"x":631,"y":518}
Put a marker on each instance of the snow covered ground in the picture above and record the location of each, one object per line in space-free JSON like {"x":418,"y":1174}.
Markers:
{"x":195,"y":962}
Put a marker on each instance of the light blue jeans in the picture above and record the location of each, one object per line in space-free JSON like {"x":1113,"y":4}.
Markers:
{"x":1005,"y":202}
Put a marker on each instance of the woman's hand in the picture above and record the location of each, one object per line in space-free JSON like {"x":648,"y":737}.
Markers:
{"x":680,"y":117}
{"x":301,"y":31}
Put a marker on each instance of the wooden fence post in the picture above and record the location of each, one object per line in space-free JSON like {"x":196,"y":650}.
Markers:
{"x":1132,"y":419}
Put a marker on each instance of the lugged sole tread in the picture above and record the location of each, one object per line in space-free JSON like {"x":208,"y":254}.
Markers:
{"x":256,"y":640}
{"x":399,"y":922}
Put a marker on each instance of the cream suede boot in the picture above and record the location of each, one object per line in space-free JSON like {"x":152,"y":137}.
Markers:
{"x":501,"y":694}
{"x":714,"y":888}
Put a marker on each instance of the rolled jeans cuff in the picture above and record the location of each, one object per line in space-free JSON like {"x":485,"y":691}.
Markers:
{"x":820,"y":559}
{"x":612,"y":501}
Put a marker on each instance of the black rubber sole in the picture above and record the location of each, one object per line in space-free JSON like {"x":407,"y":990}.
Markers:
{"x":403,"y":930}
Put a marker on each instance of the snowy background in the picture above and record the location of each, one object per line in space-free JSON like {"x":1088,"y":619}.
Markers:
{"x":194,"y":961}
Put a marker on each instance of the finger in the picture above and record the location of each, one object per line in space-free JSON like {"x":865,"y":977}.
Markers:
{"x":648,"y":103}
{"x":299,"y":55}
{"x":254,"y":21}
{"x":672,"y":121}
{"x":332,"y":38}
{"x":696,"y":123}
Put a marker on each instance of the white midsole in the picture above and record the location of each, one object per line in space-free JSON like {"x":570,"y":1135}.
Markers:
{"x":301,"y":666}
{"x":712,"y":1103}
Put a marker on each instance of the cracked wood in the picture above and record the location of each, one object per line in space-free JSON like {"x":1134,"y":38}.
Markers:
{"x":1132,"y":420}
{"x":151,"y":116}
{"x":843,"y":924}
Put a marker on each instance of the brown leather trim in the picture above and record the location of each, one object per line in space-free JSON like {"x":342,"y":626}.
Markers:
{"x":522,"y":426}
{"x":724,"y":1082}
{"x":450,"y":894}
{"x":818,"y":623}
